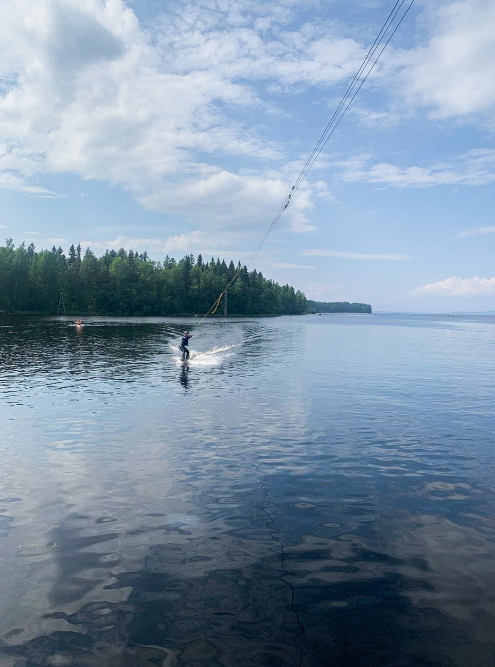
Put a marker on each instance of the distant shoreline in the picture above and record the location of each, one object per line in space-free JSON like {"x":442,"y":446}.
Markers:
{"x":78,"y":313}
{"x":452,"y":313}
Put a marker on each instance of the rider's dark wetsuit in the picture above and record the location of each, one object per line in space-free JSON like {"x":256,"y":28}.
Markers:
{"x":184,"y":344}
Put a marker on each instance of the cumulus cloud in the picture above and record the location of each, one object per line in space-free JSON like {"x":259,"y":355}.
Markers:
{"x":250,"y":49}
{"x":476,"y":167}
{"x":478,"y":231}
{"x":227,"y":200}
{"x":457,"y":287}
{"x":182,"y":244}
{"x":320,"y":252}
{"x":87,"y":90}
{"x":195,"y":241}
{"x":452,"y":73}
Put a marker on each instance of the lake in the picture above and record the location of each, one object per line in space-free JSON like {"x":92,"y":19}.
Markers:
{"x":307,"y":491}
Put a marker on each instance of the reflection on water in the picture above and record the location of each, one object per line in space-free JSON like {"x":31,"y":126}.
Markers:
{"x":255,"y":505}
{"x":184,"y":377}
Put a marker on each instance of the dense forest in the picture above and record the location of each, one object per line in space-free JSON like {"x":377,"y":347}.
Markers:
{"x":128,"y":283}
{"x":337,"y":307}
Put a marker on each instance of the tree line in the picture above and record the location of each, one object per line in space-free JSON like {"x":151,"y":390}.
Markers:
{"x":337,"y":307}
{"x":127,"y":283}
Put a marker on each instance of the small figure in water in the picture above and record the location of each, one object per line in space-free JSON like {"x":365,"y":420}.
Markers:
{"x":79,"y":323}
{"x":184,"y":343}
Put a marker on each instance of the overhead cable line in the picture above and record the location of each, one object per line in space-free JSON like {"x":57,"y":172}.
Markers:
{"x":382,"y":40}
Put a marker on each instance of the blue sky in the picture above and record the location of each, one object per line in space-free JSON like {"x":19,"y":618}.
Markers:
{"x":179,"y":127}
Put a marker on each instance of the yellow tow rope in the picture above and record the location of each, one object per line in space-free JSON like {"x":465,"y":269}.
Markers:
{"x":216,"y":304}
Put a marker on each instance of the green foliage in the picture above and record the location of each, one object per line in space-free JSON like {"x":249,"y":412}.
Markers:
{"x":125,"y":283}
{"x":338,"y":307}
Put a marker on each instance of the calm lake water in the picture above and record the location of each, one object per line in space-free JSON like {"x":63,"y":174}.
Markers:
{"x":308,"y":491}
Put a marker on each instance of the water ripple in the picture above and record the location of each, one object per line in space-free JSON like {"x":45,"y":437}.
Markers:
{"x":259,"y":505}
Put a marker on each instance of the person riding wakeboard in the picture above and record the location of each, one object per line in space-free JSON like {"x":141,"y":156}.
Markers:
{"x":184,"y":343}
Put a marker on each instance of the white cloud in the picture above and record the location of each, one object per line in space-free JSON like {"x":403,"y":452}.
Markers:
{"x":89,"y":91}
{"x":320,"y":252}
{"x":181,"y":244}
{"x":228,"y":200}
{"x":56,"y":241}
{"x":124,"y":242}
{"x":287,"y":265}
{"x":3,"y":227}
{"x":196,"y":241}
{"x":453,"y":72}
{"x":9,"y":181}
{"x":195,"y":39}
{"x":457,"y":287}
{"x":476,"y":232}
{"x":476,"y":167}
{"x":375,"y":119}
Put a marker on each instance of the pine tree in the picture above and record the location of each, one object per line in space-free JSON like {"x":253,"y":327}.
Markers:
{"x":126,"y":283}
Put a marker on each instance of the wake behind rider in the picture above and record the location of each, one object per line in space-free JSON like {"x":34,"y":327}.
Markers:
{"x":184,"y":343}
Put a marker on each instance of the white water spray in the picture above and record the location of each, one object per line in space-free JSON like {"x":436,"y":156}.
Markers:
{"x":212,"y":357}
